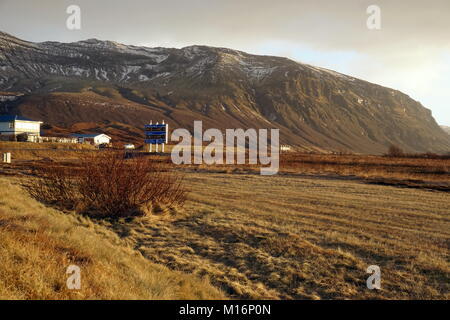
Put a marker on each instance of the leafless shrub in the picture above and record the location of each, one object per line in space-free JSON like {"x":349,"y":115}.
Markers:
{"x":54,"y":186}
{"x":395,"y":151}
{"x":429,"y":155}
{"x":114,"y":186}
{"x":108,"y":185}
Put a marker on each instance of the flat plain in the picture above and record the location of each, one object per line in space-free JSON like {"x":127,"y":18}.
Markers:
{"x":297,"y":237}
{"x":309,"y":232}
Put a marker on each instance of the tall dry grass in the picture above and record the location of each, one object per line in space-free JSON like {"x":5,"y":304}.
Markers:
{"x":38,"y":243}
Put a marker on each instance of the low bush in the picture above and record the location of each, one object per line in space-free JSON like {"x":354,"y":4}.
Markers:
{"x":108,"y":185}
{"x":395,"y":151}
{"x":55,"y":186}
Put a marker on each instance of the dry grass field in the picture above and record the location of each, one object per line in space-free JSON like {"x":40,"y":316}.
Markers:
{"x":417,"y":167}
{"x":37,"y":244}
{"x":308,"y":233}
{"x":29,"y":152}
{"x":289,"y":237}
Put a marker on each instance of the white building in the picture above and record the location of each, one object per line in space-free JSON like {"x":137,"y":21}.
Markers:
{"x":12,"y":126}
{"x":285,"y":147}
{"x":96,"y":138}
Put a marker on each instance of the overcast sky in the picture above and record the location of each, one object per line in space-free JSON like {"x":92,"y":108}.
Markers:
{"x":411,"y":51}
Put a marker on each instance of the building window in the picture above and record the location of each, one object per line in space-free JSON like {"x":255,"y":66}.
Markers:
{"x":11,"y":125}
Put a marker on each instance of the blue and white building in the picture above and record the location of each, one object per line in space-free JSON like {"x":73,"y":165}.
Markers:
{"x":11,"y":126}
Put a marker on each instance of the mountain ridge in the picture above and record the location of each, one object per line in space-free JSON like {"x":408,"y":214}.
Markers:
{"x":316,"y":109}
{"x":446,"y":129}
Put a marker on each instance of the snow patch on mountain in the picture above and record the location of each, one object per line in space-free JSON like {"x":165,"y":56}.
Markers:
{"x":333,"y":73}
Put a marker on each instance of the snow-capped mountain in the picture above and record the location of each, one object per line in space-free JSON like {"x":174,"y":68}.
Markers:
{"x":315,"y":108}
{"x":114,"y":62}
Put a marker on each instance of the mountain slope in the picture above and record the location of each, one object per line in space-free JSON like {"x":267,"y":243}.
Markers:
{"x":315,"y":109}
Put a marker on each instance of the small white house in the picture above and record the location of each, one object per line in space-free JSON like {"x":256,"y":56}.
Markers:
{"x":96,"y":138}
{"x":129,"y":146}
{"x":13,"y":126}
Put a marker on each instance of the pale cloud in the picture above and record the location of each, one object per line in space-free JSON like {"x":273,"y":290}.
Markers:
{"x":409,"y":53}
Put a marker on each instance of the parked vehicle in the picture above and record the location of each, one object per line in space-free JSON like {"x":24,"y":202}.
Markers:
{"x":104,"y":145}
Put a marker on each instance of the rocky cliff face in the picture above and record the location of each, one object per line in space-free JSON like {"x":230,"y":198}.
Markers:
{"x":315,"y":109}
{"x":446,"y":129}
